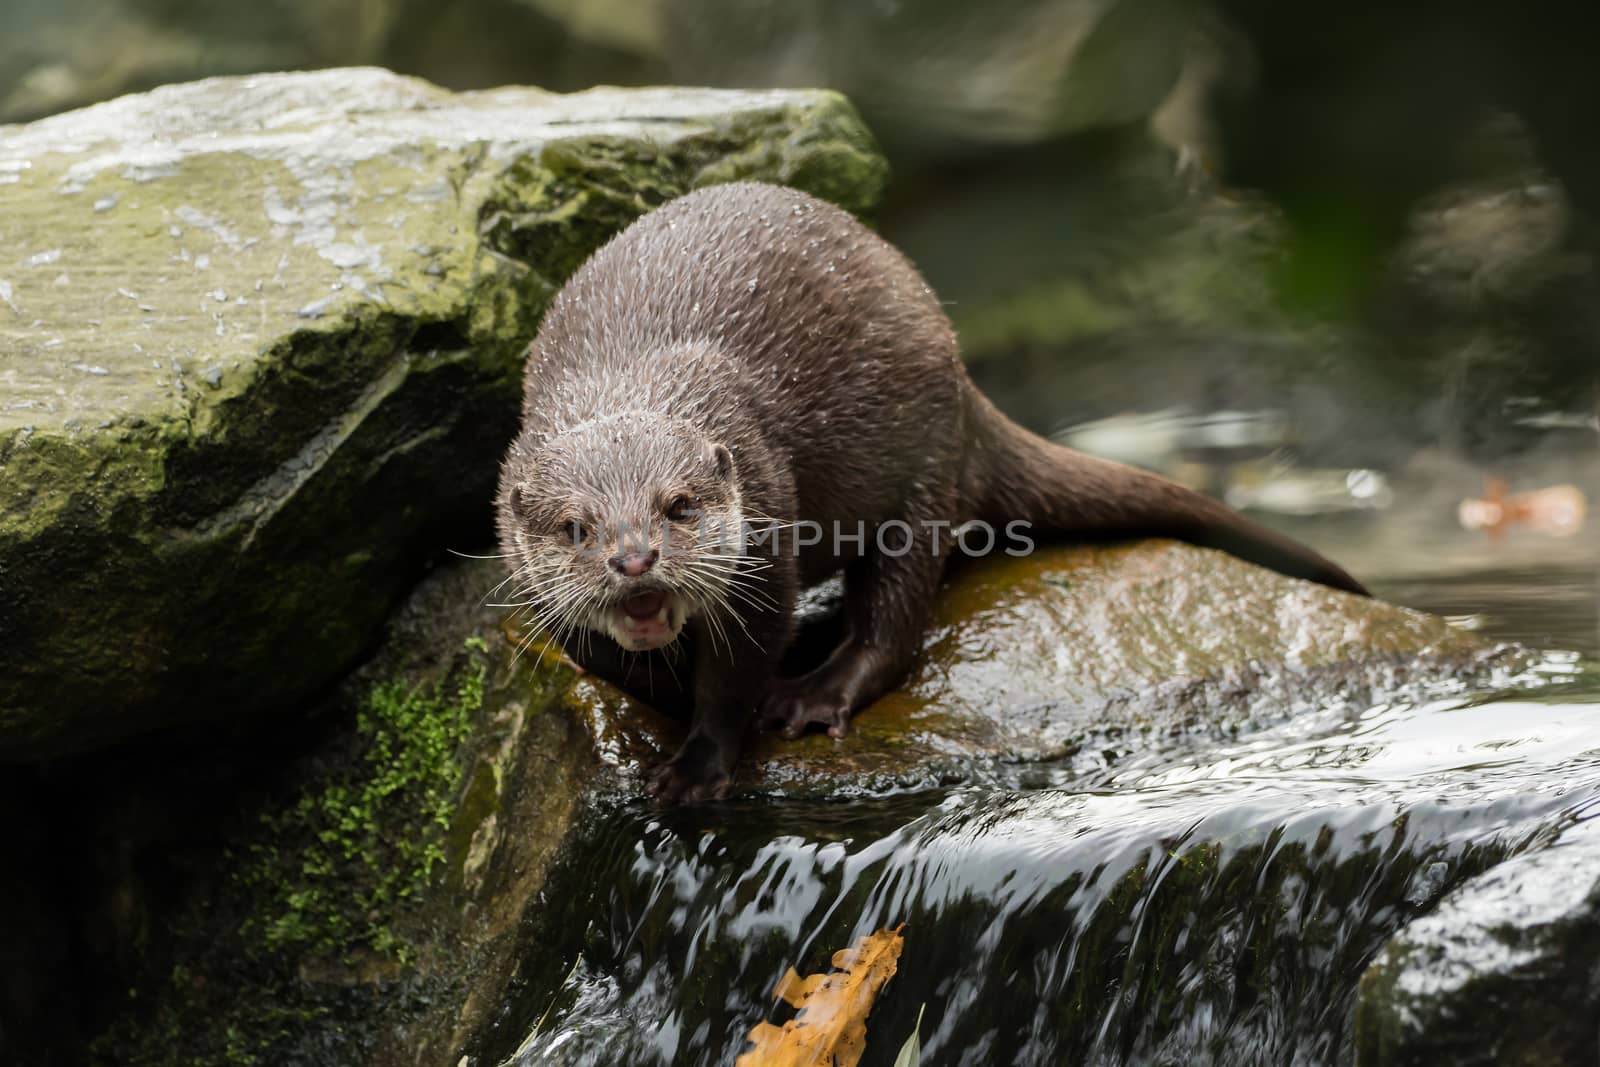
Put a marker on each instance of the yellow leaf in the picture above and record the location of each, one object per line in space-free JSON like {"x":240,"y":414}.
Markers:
{"x":830,"y":1029}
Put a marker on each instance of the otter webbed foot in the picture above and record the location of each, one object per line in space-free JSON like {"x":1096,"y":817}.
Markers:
{"x":700,"y":771}
{"x":793,"y":706}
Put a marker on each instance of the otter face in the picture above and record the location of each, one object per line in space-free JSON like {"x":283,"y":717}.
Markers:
{"x":628,"y":526}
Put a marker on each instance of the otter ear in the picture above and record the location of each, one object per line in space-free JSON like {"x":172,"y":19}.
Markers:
{"x":721,"y":460}
{"x":518,"y":499}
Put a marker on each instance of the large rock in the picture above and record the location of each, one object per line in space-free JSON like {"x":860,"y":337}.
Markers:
{"x":259,"y":355}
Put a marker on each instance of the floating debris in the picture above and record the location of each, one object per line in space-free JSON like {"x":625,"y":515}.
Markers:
{"x":1557,"y":511}
{"x":831,"y":1025}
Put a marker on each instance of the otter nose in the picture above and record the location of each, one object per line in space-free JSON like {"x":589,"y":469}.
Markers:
{"x":634,"y":564}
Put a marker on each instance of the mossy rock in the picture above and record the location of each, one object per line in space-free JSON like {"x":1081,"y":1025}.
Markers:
{"x":361,"y":901}
{"x":260,"y":349}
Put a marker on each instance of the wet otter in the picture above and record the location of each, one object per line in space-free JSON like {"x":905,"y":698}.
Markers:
{"x":743,"y":359}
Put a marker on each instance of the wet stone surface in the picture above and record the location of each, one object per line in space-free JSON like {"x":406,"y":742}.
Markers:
{"x":1503,"y":971}
{"x":1087,"y":654}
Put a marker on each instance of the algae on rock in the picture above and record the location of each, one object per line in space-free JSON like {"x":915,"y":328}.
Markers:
{"x":366,"y":903}
{"x":260,"y":352}
{"x":374,"y":833}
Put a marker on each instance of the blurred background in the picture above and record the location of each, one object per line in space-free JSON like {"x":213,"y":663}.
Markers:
{"x":1334,"y":262}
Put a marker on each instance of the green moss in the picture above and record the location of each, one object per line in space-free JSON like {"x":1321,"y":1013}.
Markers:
{"x":825,"y":150}
{"x":551,"y":212}
{"x":334,"y":916}
{"x":371,"y":840}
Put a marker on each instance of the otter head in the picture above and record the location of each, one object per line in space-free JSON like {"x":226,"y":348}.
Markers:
{"x":629,"y":525}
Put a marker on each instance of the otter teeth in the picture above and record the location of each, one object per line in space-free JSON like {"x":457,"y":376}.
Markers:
{"x":661,"y":616}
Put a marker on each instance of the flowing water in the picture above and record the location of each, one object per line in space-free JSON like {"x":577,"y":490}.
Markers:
{"x":1201,"y":903}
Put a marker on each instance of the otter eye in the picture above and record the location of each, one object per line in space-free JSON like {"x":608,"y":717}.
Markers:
{"x":578,"y":530}
{"x":682,"y":508}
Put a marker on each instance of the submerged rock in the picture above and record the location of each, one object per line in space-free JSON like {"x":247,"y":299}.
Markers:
{"x":260,"y":348}
{"x":1190,"y":917}
{"x":1503,"y":971}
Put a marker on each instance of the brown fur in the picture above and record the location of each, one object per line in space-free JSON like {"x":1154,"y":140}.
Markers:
{"x":773,"y":325}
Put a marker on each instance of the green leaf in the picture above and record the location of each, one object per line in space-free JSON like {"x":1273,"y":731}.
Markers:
{"x":911,"y":1051}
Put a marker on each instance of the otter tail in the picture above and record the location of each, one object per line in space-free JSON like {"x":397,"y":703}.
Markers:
{"x":1019,"y":475}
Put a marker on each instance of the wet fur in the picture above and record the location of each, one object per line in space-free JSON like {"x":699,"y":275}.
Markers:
{"x":775,"y":325}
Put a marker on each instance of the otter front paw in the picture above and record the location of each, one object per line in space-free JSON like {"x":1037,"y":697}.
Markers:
{"x":698,"y":773}
{"x":791,"y":707}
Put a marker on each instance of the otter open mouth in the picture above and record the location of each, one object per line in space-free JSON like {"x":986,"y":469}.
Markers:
{"x":647,"y":620}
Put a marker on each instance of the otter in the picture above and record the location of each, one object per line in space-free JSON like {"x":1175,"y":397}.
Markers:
{"x":740,"y":361}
